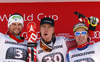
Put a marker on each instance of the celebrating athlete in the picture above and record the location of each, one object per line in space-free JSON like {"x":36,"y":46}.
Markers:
{"x":13,"y":46}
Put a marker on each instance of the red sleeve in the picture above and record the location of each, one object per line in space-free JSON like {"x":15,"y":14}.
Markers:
{"x":71,"y":44}
{"x":94,"y":36}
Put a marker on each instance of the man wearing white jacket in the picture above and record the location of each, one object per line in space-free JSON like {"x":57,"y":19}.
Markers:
{"x":13,"y":46}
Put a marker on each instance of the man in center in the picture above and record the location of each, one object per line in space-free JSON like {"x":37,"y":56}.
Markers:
{"x":51,"y":48}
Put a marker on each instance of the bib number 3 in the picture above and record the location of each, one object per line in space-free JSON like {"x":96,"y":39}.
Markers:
{"x":16,"y":53}
{"x":19,"y":53}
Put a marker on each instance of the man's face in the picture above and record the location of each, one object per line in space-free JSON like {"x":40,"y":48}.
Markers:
{"x":15,"y":28}
{"x":47,"y":31}
{"x":81,"y":39}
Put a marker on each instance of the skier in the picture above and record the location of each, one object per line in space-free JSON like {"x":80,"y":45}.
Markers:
{"x":85,"y":51}
{"x":51,"y":48}
{"x":13,"y":46}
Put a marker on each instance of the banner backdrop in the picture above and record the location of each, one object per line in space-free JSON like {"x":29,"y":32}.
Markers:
{"x":61,"y":12}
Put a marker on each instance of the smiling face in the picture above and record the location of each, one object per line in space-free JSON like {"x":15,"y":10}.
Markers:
{"x":46,"y":31}
{"x":81,"y":39}
{"x":15,"y":28}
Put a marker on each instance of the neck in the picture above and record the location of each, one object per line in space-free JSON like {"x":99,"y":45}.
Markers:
{"x":47,"y":40}
{"x":81,"y":42}
{"x":13,"y":37}
{"x":83,"y":46}
{"x":17,"y":37}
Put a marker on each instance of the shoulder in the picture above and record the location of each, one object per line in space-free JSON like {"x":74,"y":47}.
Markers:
{"x":97,"y":43}
{"x":38,"y":41}
{"x":25,"y":41}
{"x":71,"y":43}
{"x":71,"y":49}
{"x":2,"y":35}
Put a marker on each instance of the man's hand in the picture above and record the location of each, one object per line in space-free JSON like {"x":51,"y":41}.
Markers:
{"x":93,"y":21}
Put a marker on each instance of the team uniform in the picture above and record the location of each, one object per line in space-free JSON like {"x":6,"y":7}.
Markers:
{"x":11,"y":50}
{"x":58,"y":54}
{"x":88,"y":52}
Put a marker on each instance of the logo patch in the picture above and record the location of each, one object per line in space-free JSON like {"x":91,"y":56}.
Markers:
{"x":16,"y":17}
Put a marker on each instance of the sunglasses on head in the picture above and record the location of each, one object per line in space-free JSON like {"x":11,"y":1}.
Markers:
{"x":82,"y":32}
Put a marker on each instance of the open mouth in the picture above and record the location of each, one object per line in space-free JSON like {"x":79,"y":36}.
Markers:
{"x":45,"y":34}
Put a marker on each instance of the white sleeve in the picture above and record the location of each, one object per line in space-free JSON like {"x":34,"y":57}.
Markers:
{"x":1,"y":36}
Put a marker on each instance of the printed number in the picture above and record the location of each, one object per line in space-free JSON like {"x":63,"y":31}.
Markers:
{"x":56,"y":56}
{"x":59,"y":57}
{"x":19,"y":53}
{"x":49,"y":59}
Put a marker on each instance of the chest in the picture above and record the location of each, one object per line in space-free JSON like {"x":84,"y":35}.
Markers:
{"x":57,"y":54}
{"x":91,"y":54}
{"x":12,"y":50}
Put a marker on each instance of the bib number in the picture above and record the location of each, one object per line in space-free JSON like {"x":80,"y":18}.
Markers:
{"x":54,"y":57}
{"x":16,"y":53}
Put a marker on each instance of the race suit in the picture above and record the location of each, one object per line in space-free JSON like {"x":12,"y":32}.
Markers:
{"x":11,"y":50}
{"x":58,"y":54}
{"x":87,"y":52}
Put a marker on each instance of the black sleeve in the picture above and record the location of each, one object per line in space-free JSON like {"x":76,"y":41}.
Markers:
{"x":92,"y":28}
